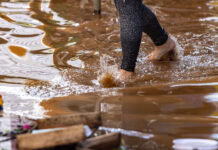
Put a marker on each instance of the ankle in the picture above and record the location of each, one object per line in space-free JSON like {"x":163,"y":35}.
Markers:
{"x":169,"y":44}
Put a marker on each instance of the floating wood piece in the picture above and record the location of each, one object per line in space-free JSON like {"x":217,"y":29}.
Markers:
{"x":61,"y":137}
{"x":108,"y":141}
{"x":93,"y":120}
{"x":97,"y":6}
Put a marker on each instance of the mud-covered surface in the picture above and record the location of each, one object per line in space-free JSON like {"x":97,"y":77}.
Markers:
{"x":58,"y":51}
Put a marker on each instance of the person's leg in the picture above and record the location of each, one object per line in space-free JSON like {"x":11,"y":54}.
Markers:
{"x":136,"y":18}
{"x":151,"y":26}
{"x":131,"y":31}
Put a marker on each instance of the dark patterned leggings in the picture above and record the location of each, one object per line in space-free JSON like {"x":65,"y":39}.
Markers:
{"x":136,"y":18}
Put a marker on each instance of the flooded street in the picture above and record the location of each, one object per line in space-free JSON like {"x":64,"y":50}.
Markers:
{"x":53,"y":53}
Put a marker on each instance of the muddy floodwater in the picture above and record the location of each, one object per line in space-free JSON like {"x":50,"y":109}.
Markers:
{"x":53,"y":53}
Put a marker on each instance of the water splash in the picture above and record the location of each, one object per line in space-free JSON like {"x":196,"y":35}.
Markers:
{"x":109,"y":72}
{"x":179,"y":50}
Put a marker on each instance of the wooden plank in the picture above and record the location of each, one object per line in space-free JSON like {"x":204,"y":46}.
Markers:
{"x":93,"y":120}
{"x":109,"y":141}
{"x":61,"y":137}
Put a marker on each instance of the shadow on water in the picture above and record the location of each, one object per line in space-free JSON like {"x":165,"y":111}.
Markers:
{"x":59,"y":54}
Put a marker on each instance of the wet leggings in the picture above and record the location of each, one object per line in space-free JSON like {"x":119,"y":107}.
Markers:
{"x":136,"y":18}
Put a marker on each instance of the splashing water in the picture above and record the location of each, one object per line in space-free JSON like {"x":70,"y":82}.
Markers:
{"x":109,"y":72}
{"x":179,"y":50}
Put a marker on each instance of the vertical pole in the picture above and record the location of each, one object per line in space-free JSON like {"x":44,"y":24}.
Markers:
{"x":97,"y":6}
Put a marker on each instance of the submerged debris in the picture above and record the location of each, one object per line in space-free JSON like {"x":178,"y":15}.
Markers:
{"x":68,"y":131}
{"x":60,"y":137}
{"x":61,"y":132}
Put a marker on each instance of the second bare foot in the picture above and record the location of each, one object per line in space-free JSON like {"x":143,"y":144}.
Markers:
{"x":160,"y":51}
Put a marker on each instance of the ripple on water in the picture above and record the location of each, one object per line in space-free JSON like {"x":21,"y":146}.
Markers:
{"x":3,"y":41}
{"x":33,"y":43}
{"x":24,"y":20}
{"x":19,"y":5}
{"x":5,"y":61}
{"x":26,"y":31}
{"x":7,"y":25}
{"x":56,"y":16}
{"x":16,"y":9}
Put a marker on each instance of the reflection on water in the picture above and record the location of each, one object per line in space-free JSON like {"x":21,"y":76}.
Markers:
{"x":195,"y":144}
{"x":48,"y":51}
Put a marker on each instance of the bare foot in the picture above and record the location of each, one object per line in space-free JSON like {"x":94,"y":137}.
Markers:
{"x":160,"y":51}
{"x":126,"y":75}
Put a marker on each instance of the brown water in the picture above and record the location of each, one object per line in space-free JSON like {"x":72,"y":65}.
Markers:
{"x":58,"y":48}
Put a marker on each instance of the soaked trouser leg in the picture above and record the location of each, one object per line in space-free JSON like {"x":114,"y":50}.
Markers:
{"x":136,"y":18}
